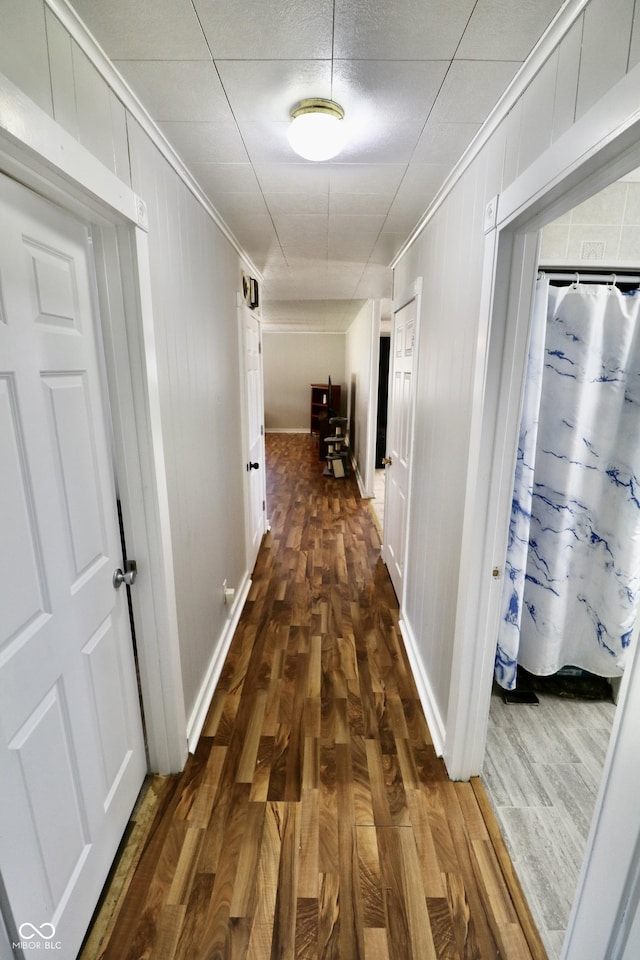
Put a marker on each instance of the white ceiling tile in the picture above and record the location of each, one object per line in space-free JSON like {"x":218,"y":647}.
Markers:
{"x":177,"y":90}
{"x":388,"y":90}
{"x":471,"y":89}
{"x":387,"y":142}
{"x":266,"y":141}
{"x":296,"y":204}
{"x":409,"y":114}
{"x":304,"y":178}
{"x":298,"y":227}
{"x":355,"y":248}
{"x":220,"y":178}
{"x":357,"y":225}
{"x":140,"y":30}
{"x":401,"y":225}
{"x":269,"y":89}
{"x":382,"y":179}
{"x":309,"y":313}
{"x":386,"y":248}
{"x":358,"y":203}
{"x":444,"y":142}
{"x":280,"y":29}
{"x":236,"y":206}
{"x":418,"y":189}
{"x":506,"y":29}
{"x":403,"y":30}
{"x":376,"y":283}
{"x":218,"y":142}
{"x":353,"y":238}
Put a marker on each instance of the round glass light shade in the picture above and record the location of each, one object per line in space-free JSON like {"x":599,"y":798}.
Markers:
{"x":317,"y":131}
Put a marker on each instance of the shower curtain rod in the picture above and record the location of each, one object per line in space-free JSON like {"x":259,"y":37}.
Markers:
{"x":579,"y":275}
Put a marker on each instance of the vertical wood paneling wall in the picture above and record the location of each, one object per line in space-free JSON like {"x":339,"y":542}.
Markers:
{"x":362,"y":349}
{"x":195,"y":273}
{"x":601,"y":46}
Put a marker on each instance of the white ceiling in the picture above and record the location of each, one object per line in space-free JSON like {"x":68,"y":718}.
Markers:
{"x":416,"y":79}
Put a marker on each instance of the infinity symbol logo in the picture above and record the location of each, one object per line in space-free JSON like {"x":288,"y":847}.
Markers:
{"x":35,"y":931}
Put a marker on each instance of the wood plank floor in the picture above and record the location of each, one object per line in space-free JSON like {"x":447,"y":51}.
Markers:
{"x":315,"y":820}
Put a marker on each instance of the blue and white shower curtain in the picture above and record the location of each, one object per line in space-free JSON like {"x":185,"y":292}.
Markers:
{"x":572,"y":575}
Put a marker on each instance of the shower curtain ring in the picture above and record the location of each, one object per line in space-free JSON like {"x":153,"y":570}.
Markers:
{"x":613,"y":280}
{"x":577,"y":280}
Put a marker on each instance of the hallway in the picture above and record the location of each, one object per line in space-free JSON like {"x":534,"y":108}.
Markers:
{"x":314,"y":819}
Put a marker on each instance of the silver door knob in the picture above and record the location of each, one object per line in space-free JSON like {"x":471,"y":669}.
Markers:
{"x":129,"y":577}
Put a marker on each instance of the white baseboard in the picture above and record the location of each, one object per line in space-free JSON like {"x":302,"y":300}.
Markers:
{"x":431,"y":712}
{"x":203,"y":701}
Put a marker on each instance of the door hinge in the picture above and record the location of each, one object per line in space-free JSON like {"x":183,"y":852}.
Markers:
{"x":264,"y":505}
{"x":262,"y":430}
{"x":259,"y":346}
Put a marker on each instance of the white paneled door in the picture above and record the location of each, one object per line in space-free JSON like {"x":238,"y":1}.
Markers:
{"x":253,"y":415}
{"x":399,"y":443}
{"x":72,"y":754}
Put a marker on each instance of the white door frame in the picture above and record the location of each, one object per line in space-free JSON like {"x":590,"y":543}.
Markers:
{"x":412,"y":292}
{"x":600,"y":148}
{"x":245,"y":420}
{"x":40,"y":154}
{"x":371,"y":389}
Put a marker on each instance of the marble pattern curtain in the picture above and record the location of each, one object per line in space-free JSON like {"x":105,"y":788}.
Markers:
{"x":572,"y":575}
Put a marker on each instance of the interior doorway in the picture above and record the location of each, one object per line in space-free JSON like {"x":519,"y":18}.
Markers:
{"x":544,"y":762}
{"x":72,"y":753}
{"x":381,"y":430}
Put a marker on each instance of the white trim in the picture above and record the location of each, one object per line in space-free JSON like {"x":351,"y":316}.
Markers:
{"x":207,"y":689}
{"x":40,"y":154}
{"x":133,"y":391}
{"x":80,"y":33}
{"x":372,"y":401}
{"x":607,"y":895}
{"x":497,"y":393}
{"x":427,"y":699}
{"x":356,"y":472}
{"x":412,"y":291}
{"x":250,"y":553}
{"x":550,"y":39}
{"x":568,"y":172}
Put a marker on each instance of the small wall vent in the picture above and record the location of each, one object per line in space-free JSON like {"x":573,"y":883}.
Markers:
{"x":592,"y":250}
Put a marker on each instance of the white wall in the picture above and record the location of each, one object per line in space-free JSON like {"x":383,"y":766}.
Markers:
{"x":595,"y":53}
{"x":292,"y":362}
{"x":195,"y":273}
{"x":361,"y":375}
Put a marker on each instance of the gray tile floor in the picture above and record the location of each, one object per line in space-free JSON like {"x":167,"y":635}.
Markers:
{"x":542,"y":772}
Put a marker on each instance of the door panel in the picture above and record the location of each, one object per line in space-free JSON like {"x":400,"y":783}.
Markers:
{"x":254,"y":419}
{"x":399,"y":444}
{"x":71,"y":749}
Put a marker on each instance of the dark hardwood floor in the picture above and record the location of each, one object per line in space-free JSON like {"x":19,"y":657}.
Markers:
{"x":315,"y":820}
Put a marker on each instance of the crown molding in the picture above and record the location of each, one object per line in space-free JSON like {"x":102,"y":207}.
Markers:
{"x":80,"y":33}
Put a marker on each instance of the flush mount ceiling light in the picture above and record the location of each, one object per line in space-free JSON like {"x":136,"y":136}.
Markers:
{"x":317,"y":131}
